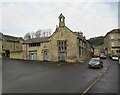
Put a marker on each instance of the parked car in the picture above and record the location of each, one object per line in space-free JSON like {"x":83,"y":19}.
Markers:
{"x":115,"y":57}
{"x":119,"y":59}
{"x":103,"y":56}
{"x":110,"y":56}
{"x":95,"y":56}
{"x":95,"y":62}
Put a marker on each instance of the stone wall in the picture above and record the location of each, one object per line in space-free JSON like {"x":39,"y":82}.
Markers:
{"x":16,"y":55}
{"x":62,"y":33}
{"x":40,"y":49}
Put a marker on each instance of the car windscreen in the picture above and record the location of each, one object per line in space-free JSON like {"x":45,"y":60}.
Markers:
{"x":102,"y":54}
{"x":94,"y":60}
{"x":114,"y":56}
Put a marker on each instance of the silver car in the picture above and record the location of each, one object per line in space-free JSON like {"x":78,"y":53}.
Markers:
{"x":115,"y":57}
{"x":95,"y":62}
{"x":102,"y":56}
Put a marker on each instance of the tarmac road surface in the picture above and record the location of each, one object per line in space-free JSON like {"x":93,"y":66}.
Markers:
{"x":20,"y":76}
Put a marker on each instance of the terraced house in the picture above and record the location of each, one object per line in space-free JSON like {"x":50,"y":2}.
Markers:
{"x":11,"y":46}
{"x":112,"y":42}
{"x":62,"y":45}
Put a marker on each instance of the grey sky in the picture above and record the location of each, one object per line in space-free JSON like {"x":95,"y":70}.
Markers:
{"x":92,"y":18}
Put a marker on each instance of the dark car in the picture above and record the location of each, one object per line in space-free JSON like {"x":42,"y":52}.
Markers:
{"x":95,"y":62}
{"x":110,"y":56}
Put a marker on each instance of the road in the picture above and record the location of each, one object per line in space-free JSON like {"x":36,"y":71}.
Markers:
{"x":108,"y":83}
{"x":20,"y":76}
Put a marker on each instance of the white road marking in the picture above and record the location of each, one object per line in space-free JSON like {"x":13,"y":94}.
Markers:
{"x":100,"y":75}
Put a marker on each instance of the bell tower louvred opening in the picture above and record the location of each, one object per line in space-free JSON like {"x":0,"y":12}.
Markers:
{"x":61,"y":20}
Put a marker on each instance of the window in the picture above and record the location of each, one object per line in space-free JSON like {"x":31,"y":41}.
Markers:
{"x":32,"y":55}
{"x":62,"y":46}
{"x":34,"y":44}
{"x":65,"y":47}
{"x":119,"y":36}
{"x":118,"y":43}
{"x":59,"y":49}
{"x":112,"y":44}
{"x":117,"y":51}
{"x":59,"y":43}
{"x":79,"y":51}
{"x":112,"y":36}
{"x":65,"y":43}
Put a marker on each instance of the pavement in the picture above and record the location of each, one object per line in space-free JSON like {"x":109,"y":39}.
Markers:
{"x":20,"y":76}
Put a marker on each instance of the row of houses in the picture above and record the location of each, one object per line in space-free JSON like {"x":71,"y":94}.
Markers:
{"x":11,"y":46}
{"x":62,"y":45}
{"x":112,"y":42}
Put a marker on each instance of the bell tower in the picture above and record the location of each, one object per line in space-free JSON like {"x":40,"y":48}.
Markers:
{"x":61,"y":20}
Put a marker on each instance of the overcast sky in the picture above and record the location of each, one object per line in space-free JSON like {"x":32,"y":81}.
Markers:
{"x":91,"y":18}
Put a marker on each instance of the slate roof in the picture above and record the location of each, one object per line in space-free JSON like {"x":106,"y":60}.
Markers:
{"x":113,"y":31}
{"x":36,"y":40}
{"x":11,"y":38}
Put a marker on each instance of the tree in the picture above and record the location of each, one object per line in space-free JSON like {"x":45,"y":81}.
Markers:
{"x":33,"y":34}
{"x":37,"y":34}
{"x":97,"y":41}
{"x":27,"y":36}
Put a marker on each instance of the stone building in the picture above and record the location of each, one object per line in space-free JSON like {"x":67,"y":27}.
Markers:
{"x":11,"y":46}
{"x":34,"y":48}
{"x":62,"y":45}
{"x":112,"y":42}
